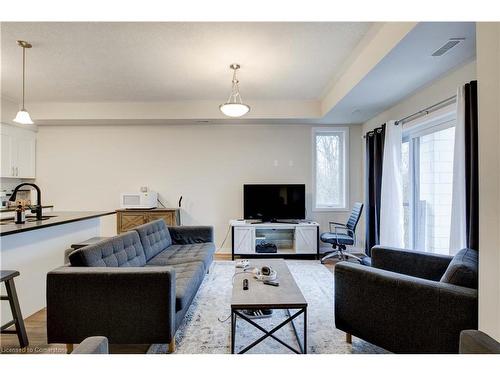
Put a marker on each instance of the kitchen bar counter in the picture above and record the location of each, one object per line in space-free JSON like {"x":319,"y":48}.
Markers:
{"x":37,"y":247}
{"x":13,"y":208}
{"x":8,"y":227}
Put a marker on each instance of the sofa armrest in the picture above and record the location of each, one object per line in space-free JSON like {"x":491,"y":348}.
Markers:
{"x":477,"y":342}
{"x":128,"y":305}
{"x":92,"y":345}
{"x":413,"y":263}
{"x":191,"y":234}
{"x":401,"y":313}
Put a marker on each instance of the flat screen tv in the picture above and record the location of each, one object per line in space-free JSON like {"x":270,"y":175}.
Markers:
{"x":274,"y":202}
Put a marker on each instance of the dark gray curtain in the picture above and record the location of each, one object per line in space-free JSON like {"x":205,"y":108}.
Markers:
{"x":471,"y":166}
{"x":373,"y":186}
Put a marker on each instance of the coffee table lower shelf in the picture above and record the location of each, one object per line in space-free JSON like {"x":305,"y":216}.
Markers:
{"x":236,"y":312}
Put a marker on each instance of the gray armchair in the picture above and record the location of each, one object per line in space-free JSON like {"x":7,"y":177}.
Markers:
{"x":477,"y":342}
{"x":408,"y":301}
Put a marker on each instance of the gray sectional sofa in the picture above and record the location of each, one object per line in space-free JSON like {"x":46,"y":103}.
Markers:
{"x":134,"y":288}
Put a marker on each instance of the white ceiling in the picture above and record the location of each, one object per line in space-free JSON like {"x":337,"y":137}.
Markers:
{"x":142,"y":62}
{"x":330,"y":73}
{"x":405,"y":69}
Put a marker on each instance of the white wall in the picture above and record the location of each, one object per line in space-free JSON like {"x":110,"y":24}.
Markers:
{"x":488,"y":63}
{"x":430,"y":94}
{"x":87,"y":167}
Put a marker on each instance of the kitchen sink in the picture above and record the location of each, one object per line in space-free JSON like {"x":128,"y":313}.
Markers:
{"x":44,"y":217}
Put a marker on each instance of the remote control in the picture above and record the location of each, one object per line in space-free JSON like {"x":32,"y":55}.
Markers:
{"x":273,"y":283}
{"x":245,"y":284}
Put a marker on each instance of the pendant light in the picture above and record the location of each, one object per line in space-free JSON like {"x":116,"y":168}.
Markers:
{"x":23,"y":117}
{"x":234,"y":107}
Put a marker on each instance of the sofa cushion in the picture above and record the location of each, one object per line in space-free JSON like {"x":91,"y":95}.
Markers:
{"x":463,"y":269}
{"x":188,"y":278}
{"x":178,"y":254}
{"x":183,"y":235}
{"x":154,"y":236}
{"x":124,"y":250}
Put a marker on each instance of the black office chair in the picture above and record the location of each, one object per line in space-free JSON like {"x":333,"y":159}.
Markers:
{"x":343,"y":235}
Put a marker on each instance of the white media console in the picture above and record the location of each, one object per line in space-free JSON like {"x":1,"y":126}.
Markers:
{"x":291,"y":239}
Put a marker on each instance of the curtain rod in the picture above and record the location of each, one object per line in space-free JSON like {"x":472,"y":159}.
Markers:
{"x":420,"y":113}
{"x":371,"y":132}
{"x":427,"y":110}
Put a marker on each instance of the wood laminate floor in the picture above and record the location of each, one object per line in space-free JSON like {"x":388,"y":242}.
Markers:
{"x":37,"y":332}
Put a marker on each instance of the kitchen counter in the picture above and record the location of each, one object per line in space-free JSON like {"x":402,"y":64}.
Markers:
{"x":37,"y":247}
{"x":13,"y":208}
{"x":53,"y":218}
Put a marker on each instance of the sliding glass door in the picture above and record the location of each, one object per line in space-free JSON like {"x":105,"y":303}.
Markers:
{"x":427,"y":154}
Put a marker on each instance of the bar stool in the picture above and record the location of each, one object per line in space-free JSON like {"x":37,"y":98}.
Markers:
{"x":17,"y":317}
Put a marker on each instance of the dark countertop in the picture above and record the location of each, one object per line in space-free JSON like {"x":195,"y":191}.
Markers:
{"x":63,"y":217}
{"x":156,"y":209}
{"x":13,"y":208}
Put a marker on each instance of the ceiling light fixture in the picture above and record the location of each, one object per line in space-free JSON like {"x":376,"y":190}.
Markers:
{"x":23,"y":117}
{"x":234,"y":107}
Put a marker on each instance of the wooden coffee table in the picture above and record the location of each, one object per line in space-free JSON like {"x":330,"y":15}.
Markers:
{"x":287,"y":296}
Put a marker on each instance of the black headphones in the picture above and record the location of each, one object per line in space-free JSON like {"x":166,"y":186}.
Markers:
{"x":266,"y":271}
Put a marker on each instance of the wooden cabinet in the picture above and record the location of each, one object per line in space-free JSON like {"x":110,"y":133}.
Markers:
{"x":18,"y":148}
{"x":170,"y":217}
{"x":129,"y":219}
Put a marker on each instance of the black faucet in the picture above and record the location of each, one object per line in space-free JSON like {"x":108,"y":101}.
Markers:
{"x":36,"y":209}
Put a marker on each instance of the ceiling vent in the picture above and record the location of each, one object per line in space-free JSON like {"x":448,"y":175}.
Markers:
{"x":447,"y":46}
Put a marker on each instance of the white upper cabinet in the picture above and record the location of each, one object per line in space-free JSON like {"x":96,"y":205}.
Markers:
{"x":7,"y":154}
{"x":18,"y":152}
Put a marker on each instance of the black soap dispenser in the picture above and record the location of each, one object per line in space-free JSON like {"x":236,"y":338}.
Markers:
{"x":20,"y":215}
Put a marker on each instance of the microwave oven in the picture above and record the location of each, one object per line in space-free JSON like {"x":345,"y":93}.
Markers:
{"x":147,"y":199}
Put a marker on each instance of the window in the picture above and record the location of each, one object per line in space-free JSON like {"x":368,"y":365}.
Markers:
{"x":330,"y":174}
{"x":427,"y":154}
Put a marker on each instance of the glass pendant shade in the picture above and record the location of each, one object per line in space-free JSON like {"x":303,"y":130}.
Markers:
{"x":234,"y":109}
{"x":23,"y":117}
